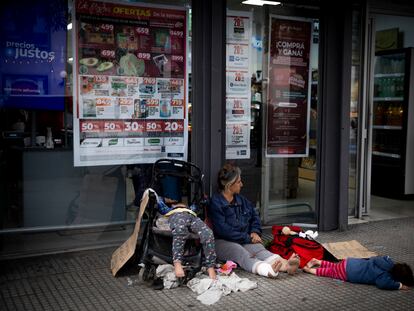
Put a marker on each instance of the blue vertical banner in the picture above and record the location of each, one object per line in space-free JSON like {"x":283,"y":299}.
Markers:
{"x":33,"y":54}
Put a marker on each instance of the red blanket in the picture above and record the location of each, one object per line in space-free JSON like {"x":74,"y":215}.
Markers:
{"x":286,"y":245}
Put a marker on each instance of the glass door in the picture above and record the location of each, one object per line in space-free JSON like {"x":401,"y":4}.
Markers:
{"x":362,"y":199}
{"x":385,"y":156}
{"x":279,"y":175}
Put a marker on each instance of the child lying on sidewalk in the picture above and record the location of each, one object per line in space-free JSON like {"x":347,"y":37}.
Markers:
{"x":183,"y":219}
{"x":380,"y":271}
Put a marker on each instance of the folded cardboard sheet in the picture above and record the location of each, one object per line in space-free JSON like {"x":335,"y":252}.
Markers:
{"x":353,"y":248}
{"x":125,"y":252}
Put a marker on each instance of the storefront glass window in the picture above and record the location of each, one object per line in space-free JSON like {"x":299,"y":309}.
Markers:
{"x":279,"y":165}
{"x":392,"y":144}
{"x":244,"y":94}
{"x":45,"y":194}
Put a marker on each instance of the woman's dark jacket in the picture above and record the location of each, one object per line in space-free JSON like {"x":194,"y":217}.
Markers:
{"x":233,"y":221}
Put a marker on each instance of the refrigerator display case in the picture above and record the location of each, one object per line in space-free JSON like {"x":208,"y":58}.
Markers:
{"x":392,"y":169}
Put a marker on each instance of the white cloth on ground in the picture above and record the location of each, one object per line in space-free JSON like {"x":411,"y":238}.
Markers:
{"x":209,"y":291}
{"x":166,"y":272}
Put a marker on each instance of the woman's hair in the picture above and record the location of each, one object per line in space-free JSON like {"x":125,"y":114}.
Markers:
{"x":401,"y":272}
{"x":227,"y":176}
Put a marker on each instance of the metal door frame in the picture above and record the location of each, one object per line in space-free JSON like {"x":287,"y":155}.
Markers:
{"x":364,"y":158}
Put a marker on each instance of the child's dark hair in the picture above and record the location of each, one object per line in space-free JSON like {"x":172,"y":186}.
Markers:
{"x":401,"y":272}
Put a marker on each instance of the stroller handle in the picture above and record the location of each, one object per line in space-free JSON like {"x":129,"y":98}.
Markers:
{"x":177,"y":168}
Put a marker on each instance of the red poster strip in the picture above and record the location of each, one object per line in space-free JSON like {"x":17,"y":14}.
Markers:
{"x":289,"y":96}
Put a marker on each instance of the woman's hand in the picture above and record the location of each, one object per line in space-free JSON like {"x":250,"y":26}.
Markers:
{"x":255,"y":238}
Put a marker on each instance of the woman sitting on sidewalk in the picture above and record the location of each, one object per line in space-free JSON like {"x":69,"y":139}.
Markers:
{"x":237,"y":229}
{"x":380,"y":271}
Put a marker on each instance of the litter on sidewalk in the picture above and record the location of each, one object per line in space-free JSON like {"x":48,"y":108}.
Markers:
{"x":209,"y":291}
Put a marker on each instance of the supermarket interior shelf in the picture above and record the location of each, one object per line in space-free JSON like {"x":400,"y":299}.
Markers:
{"x":387,"y":127}
{"x":386,"y":154}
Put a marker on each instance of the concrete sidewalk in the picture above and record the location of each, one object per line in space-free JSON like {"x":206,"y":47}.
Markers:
{"x":82,"y":281}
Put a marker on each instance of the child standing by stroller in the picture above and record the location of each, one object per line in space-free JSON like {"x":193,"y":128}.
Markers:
{"x":380,"y":271}
{"x":183,"y":219}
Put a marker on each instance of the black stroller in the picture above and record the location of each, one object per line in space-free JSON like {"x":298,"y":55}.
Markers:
{"x":183,"y":182}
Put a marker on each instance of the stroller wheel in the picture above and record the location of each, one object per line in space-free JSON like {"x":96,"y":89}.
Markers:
{"x":143,"y":274}
{"x":152,"y":272}
{"x":146,"y":273}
